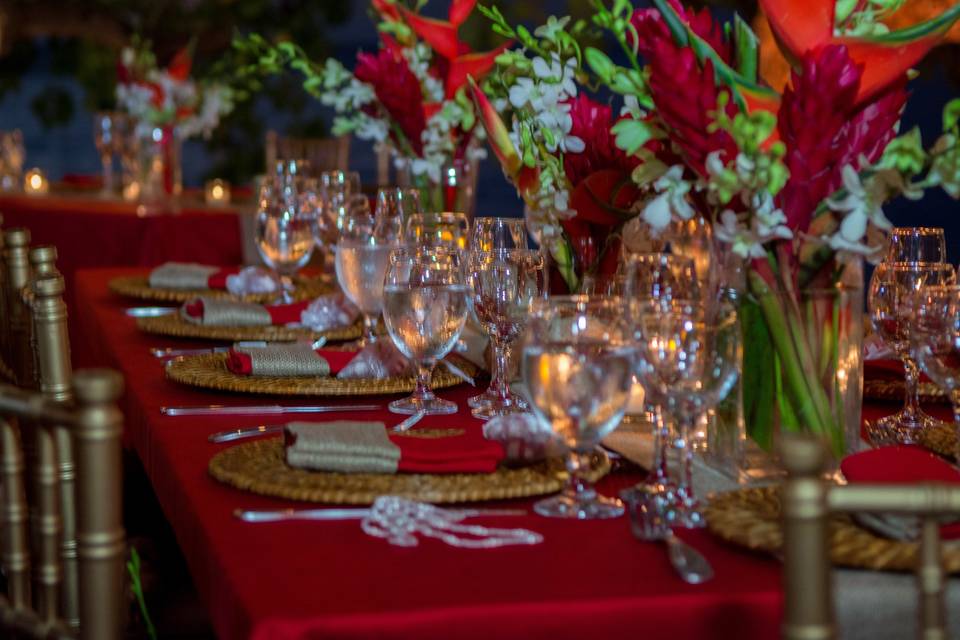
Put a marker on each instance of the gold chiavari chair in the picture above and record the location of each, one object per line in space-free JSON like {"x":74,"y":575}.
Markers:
{"x":16,"y":325}
{"x":807,"y":501}
{"x":323,"y":154}
{"x":31,"y":606}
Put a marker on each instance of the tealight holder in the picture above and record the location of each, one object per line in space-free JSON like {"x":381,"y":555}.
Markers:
{"x":35,"y":183}
{"x":217,"y":193}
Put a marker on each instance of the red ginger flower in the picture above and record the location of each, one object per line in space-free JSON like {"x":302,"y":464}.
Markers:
{"x":686,"y":97}
{"x":591,"y":123}
{"x":652,"y":30}
{"x":397,"y":89}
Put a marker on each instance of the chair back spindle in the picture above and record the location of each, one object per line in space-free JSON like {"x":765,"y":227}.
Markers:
{"x":17,"y":263}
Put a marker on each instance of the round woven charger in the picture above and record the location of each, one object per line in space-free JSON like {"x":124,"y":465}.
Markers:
{"x":174,"y":325}
{"x":893,"y":390}
{"x":940,"y":439}
{"x":139,"y":287}
{"x":210,"y":371}
{"x":259,"y":466}
{"x":751,"y":518}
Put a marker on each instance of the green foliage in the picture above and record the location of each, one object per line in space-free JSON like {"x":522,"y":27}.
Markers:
{"x":136,"y":586}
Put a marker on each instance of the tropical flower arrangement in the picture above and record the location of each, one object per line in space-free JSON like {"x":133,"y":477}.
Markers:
{"x":167,"y":98}
{"x":410,"y":93}
{"x":791,"y":178}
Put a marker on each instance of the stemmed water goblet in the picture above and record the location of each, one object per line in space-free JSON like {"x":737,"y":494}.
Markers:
{"x":333,"y":190}
{"x":108,"y":138}
{"x":578,"y":363}
{"x":505,"y":284}
{"x":284,"y":234}
{"x":444,"y":229}
{"x":394,"y":206}
{"x":362,"y":256}
{"x":424,"y":307}
{"x":687,"y":357}
{"x":657,"y":279}
{"x":916,"y":244}
{"x":893,"y":290}
{"x":935,"y":343}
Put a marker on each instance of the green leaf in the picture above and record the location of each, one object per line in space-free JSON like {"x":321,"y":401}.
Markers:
{"x":631,"y":134}
{"x":951,"y":114}
{"x":759,"y":375}
{"x":601,"y":64}
{"x":747,"y":49}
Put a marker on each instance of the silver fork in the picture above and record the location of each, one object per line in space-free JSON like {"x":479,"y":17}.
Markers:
{"x":648,"y":524}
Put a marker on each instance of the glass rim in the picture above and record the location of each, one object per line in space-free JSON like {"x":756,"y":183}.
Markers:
{"x":917,"y":231}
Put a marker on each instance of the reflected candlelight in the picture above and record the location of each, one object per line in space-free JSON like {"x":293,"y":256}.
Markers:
{"x":35,"y":183}
{"x":217,"y":193}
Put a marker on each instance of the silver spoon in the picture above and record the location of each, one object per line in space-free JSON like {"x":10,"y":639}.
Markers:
{"x":648,"y":524}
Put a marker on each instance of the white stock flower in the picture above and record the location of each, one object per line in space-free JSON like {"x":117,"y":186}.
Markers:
{"x":741,"y":239}
{"x":714,"y":163}
{"x":748,"y":232}
{"x":676,"y":188}
{"x":657,"y":212}
{"x":861,"y":206}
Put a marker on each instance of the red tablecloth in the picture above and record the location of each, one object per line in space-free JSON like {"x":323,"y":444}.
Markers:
{"x":328,"y":579}
{"x":89,"y":232}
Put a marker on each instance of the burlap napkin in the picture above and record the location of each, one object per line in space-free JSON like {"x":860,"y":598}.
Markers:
{"x":288,"y":360}
{"x":208,"y":311}
{"x":184,"y":275}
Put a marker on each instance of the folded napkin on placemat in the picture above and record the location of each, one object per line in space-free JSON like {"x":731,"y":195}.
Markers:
{"x":366,"y":447}
{"x":287,"y":360}
{"x":187,"y":275}
{"x":212,"y":312}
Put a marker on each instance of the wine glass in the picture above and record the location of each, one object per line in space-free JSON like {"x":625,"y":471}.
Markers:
{"x":107,"y":138}
{"x":935,"y":342}
{"x":657,"y":279}
{"x":445,"y":229}
{"x":916,"y":244}
{"x":284,"y":233}
{"x":505,"y":284}
{"x":425,"y":308}
{"x":498,"y":233}
{"x":361,"y":258}
{"x":394,"y":206}
{"x":578,"y":362}
{"x":893,"y":290}
{"x":688,"y":361}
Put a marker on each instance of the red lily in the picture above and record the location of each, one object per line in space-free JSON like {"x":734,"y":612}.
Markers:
{"x":804,"y":25}
{"x":443,"y":38}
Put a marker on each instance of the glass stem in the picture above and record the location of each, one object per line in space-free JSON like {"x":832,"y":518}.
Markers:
{"x":911,"y":396}
{"x":682,"y":442}
{"x":424,"y":375}
{"x":578,"y":488}
{"x":661,"y":437}
{"x":370,"y":328}
{"x":501,"y":355}
{"x":107,"y":162}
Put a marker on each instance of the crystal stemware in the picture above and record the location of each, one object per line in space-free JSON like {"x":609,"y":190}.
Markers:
{"x":361,"y":258}
{"x":107,"y":139}
{"x":893,"y":290}
{"x":935,"y":343}
{"x":284,"y":234}
{"x":687,"y":359}
{"x":578,"y":362}
{"x":394,"y":206}
{"x":505,"y":284}
{"x":490,"y":233}
{"x":425,"y":308}
{"x":657,"y":279}
{"x":444,"y":229}
{"x":916,"y":244}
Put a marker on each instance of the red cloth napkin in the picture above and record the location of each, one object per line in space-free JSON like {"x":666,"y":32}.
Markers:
{"x":280,"y":314}
{"x":240,"y":363}
{"x":457,"y":454}
{"x":219,"y":279}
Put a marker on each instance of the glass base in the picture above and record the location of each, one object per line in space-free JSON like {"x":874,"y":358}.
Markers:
{"x":686,"y":513}
{"x":428,"y":406}
{"x":481,"y":399}
{"x":566,"y":506}
{"x":497,"y":406}
{"x":902,"y":427}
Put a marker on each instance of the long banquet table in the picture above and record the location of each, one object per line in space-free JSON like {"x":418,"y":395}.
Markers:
{"x":328,"y":579}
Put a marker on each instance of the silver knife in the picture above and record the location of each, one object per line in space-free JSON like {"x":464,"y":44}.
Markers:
{"x":348,"y":514}
{"x":269,"y":429}
{"x":219,"y":409}
{"x":150,"y":312}
{"x":170,"y":352}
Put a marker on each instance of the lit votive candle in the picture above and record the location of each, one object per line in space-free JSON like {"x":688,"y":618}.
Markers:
{"x":35,"y":183}
{"x":217,"y":193}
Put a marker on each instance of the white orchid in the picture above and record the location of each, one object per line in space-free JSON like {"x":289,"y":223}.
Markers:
{"x":861,"y":206}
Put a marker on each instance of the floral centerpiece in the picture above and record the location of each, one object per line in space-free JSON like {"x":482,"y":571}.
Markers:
{"x":792,"y":181}
{"x":410,"y":93}
{"x":167,"y":107}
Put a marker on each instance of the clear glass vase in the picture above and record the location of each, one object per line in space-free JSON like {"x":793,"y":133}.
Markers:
{"x":160,"y":175}
{"x":802,"y":364}
{"x":454,"y":189}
